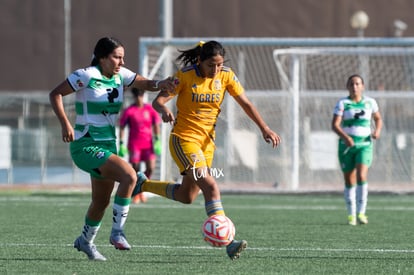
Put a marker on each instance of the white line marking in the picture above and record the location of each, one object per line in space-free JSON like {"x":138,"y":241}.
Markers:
{"x":84,"y":203}
{"x":368,"y":250}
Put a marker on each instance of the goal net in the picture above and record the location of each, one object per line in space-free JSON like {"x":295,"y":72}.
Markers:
{"x":316,"y":79}
{"x":295,"y":90}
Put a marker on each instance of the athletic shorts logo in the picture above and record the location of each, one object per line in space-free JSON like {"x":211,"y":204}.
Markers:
{"x":100,"y":154}
{"x":94,"y":151}
{"x":195,"y":158}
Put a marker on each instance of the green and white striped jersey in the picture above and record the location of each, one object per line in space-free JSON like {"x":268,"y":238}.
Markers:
{"x":356,"y":116}
{"x":98,"y":101}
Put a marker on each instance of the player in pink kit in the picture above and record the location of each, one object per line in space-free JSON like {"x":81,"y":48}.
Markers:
{"x":144,"y":126}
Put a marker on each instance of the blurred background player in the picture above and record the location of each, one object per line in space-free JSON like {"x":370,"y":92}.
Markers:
{"x":352,"y":123}
{"x":200,"y":88}
{"x":143,"y":138}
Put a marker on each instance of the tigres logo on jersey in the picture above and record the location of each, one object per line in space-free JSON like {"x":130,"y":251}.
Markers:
{"x":217,"y":84}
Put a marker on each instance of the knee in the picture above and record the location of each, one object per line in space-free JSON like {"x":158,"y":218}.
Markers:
{"x":132,"y":178}
{"x":129,"y":178}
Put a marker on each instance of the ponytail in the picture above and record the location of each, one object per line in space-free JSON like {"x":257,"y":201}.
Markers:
{"x":203,"y":50}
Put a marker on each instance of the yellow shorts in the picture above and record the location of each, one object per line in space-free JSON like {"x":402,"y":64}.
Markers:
{"x":189,"y":155}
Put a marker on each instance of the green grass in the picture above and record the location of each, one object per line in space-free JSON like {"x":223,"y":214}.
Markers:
{"x":287,"y":234}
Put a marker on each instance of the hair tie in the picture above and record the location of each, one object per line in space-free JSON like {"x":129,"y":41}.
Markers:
{"x":201,"y":43}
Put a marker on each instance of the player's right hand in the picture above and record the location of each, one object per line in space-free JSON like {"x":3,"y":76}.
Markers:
{"x":68,"y":134}
{"x":157,"y":147}
{"x":167,"y":116}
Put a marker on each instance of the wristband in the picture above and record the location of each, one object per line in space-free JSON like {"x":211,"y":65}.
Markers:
{"x":156,"y":84}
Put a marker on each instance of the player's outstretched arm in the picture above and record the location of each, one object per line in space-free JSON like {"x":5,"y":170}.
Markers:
{"x":268,"y":134}
{"x":143,"y":83}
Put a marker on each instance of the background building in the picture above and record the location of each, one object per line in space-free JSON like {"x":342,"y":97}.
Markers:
{"x":44,"y":40}
{"x":33,"y":31}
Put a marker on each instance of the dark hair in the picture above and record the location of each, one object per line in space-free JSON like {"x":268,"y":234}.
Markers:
{"x":202,"y":50}
{"x":103,"y":48}
{"x":137,"y":92}
{"x":352,"y":76}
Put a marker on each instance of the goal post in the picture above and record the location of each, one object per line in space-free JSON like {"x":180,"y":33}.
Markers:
{"x":300,"y":68}
{"x":309,"y":73}
{"x":295,"y":84}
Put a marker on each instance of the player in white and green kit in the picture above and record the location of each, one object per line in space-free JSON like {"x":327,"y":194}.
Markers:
{"x":352,"y":122}
{"x":99,"y":92}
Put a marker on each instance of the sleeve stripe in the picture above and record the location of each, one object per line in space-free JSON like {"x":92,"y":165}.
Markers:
{"x":70,"y":84}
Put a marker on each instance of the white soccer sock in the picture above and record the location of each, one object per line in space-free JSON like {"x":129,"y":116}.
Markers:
{"x":349,"y":196}
{"x":89,"y":232}
{"x":120,"y":215}
{"x":362,"y":197}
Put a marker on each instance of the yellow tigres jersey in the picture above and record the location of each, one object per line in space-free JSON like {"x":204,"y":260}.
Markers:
{"x":199,"y":100}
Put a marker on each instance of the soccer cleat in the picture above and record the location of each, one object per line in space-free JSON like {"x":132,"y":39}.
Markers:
{"x":118,"y":240}
{"x":141,"y":178}
{"x":235,"y":248}
{"x":362,"y":218}
{"x":352,"y":220}
{"x":136,"y":199}
{"x":89,"y":249}
{"x":140,"y":197}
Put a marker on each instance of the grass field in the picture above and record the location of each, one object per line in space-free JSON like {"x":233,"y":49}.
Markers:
{"x":287,"y":234}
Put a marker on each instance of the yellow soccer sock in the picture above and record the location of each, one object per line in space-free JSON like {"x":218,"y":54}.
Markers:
{"x":163,"y":188}
{"x":214,"y":208}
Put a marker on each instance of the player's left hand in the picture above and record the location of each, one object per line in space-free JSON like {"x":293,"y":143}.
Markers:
{"x":375,"y":135}
{"x":271,"y":137}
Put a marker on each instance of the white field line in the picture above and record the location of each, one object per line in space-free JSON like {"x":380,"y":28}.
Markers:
{"x":84,"y":203}
{"x":76,"y":202}
{"x":281,"y":249}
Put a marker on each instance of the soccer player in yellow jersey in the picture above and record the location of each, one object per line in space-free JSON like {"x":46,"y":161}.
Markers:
{"x":200,"y":87}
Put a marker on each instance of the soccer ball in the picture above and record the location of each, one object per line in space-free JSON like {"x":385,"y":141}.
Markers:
{"x":218,"y":230}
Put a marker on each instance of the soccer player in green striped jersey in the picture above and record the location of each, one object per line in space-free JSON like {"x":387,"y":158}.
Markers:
{"x":351,"y":121}
{"x":99,"y":91}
